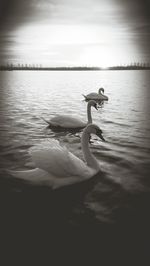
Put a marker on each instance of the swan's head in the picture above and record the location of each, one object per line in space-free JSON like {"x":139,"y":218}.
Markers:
{"x":101,"y":90}
{"x":94,"y":129}
{"x":93,"y":103}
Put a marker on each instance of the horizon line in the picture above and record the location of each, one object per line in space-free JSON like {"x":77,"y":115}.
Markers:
{"x":79,"y":68}
{"x":40,"y":66}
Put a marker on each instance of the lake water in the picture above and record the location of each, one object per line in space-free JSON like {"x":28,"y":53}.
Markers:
{"x":122,"y":191}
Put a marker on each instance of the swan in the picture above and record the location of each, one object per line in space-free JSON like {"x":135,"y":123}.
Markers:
{"x":96,"y":96}
{"x":71,"y":122}
{"x":57,"y":167}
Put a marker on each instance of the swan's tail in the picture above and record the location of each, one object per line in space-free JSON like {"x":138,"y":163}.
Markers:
{"x":46,"y":121}
{"x":84,"y":96}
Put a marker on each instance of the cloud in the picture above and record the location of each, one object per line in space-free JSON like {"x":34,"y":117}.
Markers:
{"x":136,"y":15}
{"x":15,"y":10}
{"x":127,"y":21}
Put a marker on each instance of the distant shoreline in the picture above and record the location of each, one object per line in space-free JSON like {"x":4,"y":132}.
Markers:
{"x":5,"y":68}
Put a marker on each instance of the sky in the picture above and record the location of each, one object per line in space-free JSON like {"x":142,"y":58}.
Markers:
{"x":74,"y":33}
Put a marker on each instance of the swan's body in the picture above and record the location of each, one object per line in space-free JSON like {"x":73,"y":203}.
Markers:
{"x":96,"y":96}
{"x":68,"y":121}
{"x":57,"y":167}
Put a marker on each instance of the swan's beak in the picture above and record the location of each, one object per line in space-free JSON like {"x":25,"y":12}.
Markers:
{"x":96,"y":107}
{"x":99,"y":134}
{"x":102,"y":138}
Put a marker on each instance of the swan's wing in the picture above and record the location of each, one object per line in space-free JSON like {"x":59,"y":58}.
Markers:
{"x":67,"y":121}
{"x":96,"y":96}
{"x":92,"y":95}
{"x":35,"y":176}
{"x":57,"y":160}
{"x":40,"y":177}
{"x":101,"y":97}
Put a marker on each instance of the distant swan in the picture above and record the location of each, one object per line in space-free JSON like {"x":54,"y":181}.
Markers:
{"x":69,"y":121}
{"x":96,"y":96}
{"x":57,"y":167}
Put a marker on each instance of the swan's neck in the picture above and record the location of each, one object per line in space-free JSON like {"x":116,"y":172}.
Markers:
{"x":89,"y":158}
{"x":100,"y":91}
{"x":89,"y":114}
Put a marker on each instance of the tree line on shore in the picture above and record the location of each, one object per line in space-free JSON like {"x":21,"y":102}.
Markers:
{"x":131,"y":66}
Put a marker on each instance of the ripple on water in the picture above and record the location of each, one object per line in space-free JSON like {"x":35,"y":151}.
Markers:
{"x":124,"y":157}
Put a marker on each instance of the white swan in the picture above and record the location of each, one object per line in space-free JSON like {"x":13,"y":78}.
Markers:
{"x":96,"y":96}
{"x":71,"y":122}
{"x":57,"y":167}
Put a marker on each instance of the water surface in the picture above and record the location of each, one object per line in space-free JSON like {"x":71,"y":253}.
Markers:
{"x":27,"y":96}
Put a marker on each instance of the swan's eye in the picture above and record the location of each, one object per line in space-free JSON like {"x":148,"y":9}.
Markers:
{"x":99,"y":131}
